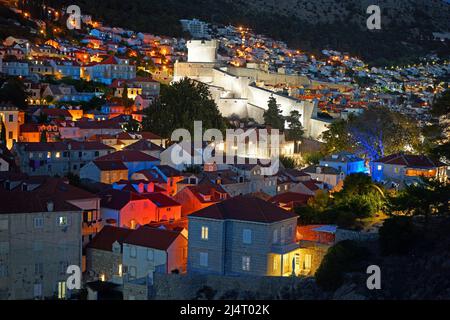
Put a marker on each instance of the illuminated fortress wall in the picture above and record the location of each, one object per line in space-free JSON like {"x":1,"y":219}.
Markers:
{"x":235,"y":92}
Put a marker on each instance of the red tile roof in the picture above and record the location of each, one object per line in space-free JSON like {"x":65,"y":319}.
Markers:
{"x":117,"y":199}
{"x":57,"y":113}
{"x":29,"y":127}
{"x":30,"y":202}
{"x":63,"y":190}
{"x":207,"y":189}
{"x":110,"y":165}
{"x":310,"y":184}
{"x":412,"y":161}
{"x":148,"y":237}
{"x":63,"y":146}
{"x":128,"y":156}
{"x":144,"y":145}
{"x":245,"y":209}
{"x":107,"y":236}
{"x":109,"y":60}
{"x":161,"y":200}
{"x":288,"y":197}
{"x":308,"y":233}
{"x":149,"y":135}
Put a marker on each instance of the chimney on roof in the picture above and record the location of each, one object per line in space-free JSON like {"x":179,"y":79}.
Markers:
{"x":219,"y":179}
{"x":50,"y":206}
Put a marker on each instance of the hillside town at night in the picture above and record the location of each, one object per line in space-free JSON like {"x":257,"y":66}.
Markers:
{"x":331,"y":164}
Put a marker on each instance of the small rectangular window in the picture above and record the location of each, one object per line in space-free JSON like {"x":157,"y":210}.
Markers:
{"x":205,"y":233}
{"x":37,"y":290}
{"x":38,"y":268}
{"x":203,"y":259}
{"x":132,"y":272}
{"x":246,"y":263}
{"x":63,"y":221}
{"x":247,"y":236}
{"x":4,"y":225}
{"x":39,"y":222}
{"x":61,"y":290}
{"x":133,"y":252}
{"x":3,"y":270}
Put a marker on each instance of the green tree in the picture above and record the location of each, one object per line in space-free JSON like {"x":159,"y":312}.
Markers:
{"x":13,"y":91}
{"x":437,"y":135}
{"x":378,"y":131}
{"x":295,"y":132}
{"x":430,"y":197}
{"x":360,"y":196}
{"x":397,"y":235}
{"x":288,"y":162}
{"x":343,"y":257}
{"x":337,"y":138}
{"x":311,"y":158}
{"x":273,"y":116}
{"x":43,"y":137}
{"x":179,"y":105}
{"x":132,"y":126}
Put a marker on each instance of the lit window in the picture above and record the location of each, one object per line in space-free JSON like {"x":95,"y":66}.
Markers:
{"x":120,"y":271}
{"x":247,"y":236}
{"x":58,"y":155}
{"x":308,"y":262}
{"x":205,"y":233}
{"x":62,"y":221}
{"x":203,"y":259}
{"x":246,"y":263}
{"x":102,"y":277}
{"x":61,"y":290}
{"x":49,"y":155}
{"x":275,"y":264}
{"x":380,"y":167}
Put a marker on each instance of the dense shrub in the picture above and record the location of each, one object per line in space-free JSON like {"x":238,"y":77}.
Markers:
{"x":397,"y":235}
{"x":341,"y":258}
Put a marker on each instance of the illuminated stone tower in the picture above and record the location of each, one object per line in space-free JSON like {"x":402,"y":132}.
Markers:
{"x":202,"y":51}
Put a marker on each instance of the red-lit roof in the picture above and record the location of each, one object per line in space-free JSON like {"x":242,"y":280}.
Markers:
{"x":161,"y":200}
{"x":148,"y":237}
